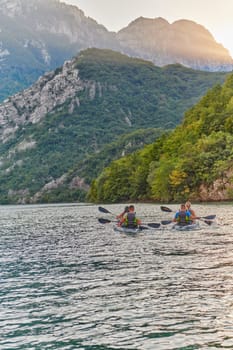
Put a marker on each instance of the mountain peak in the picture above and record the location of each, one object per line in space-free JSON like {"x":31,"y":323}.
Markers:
{"x":39,"y":35}
{"x":183,"y":41}
{"x":145,"y":20}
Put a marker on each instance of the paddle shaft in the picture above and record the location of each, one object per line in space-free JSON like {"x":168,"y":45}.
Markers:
{"x":208,"y":220}
{"x":208,"y":217}
{"x":149,"y":225}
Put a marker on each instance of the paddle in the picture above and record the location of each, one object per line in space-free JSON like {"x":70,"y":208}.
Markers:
{"x":166,"y":222}
{"x":106,"y":211}
{"x":210,"y":217}
{"x":151,"y":224}
{"x":168,"y":210}
{"x":207,"y":219}
{"x":105,"y":221}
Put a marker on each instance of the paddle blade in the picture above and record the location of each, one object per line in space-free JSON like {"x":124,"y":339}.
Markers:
{"x":153,"y":225}
{"x":104,"y":221}
{"x":208,"y":222}
{"x":103,"y":210}
{"x":209,"y":217}
{"x":168,"y":210}
{"x":166,"y":222}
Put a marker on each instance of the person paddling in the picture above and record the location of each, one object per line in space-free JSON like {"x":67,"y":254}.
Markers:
{"x":188,"y":207}
{"x":192,"y":212}
{"x":120,"y":217}
{"x":183,"y":217}
{"x":130,"y":220}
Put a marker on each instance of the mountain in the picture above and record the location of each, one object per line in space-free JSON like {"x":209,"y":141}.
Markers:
{"x":70,"y":115}
{"x":37,"y":36}
{"x":183,"y":41}
{"x":193,"y":161}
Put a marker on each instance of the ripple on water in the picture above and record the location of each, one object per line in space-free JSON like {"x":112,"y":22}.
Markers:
{"x":68,"y":282}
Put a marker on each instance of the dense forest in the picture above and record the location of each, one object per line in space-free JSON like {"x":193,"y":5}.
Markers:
{"x":147,"y":95}
{"x":91,"y":165}
{"x":193,"y":161}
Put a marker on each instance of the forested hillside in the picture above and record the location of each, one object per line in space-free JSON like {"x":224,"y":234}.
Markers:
{"x":193,"y":161}
{"x":138,"y":93}
{"x":70,"y":115}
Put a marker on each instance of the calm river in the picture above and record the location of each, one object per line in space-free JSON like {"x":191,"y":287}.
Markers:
{"x":69,"y":282}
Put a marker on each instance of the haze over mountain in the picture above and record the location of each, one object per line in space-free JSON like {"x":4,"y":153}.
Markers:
{"x":37,"y":36}
{"x":183,"y":42}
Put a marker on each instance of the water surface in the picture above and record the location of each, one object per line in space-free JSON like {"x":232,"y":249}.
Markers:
{"x":68,"y":282}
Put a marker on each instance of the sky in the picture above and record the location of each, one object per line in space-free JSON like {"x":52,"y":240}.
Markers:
{"x":214,"y":15}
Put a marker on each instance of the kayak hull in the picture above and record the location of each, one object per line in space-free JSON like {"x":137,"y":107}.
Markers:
{"x":126,"y":230}
{"x":191,"y":227}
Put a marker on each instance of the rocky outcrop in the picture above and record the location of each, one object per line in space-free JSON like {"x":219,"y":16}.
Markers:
{"x":220,"y":190}
{"x":48,"y":93}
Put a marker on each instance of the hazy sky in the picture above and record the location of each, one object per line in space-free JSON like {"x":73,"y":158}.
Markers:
{"x":216,"y":16}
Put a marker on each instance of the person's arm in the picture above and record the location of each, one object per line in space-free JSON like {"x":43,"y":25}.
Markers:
{"x":139,"y":222}
{"x":123,"y":219}
{"x":175,"y":219}
{"x":120,"y":216}
{"x":193,"y":215}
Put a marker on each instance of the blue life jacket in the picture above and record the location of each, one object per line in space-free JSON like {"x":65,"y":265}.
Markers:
{"x":183,"y":218}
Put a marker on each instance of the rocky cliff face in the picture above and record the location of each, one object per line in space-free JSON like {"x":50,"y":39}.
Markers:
{"x":35,"y":19}
{"x":32,"y":104}
{"x":37,"y":36}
